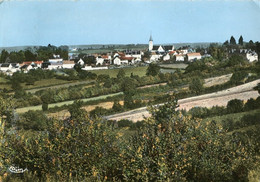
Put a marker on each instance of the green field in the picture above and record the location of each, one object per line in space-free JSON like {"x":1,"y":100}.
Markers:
{"x":45,"y":83}
{"x":235,"y":116}
{"x":140,"y":71}
{"x":39,"y":107}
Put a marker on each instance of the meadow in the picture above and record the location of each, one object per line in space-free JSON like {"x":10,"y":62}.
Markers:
{"x":140,"y":71}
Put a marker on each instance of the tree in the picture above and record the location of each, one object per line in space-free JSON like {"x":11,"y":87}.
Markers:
{"x":4,"y":56}
{"x":232,"y":41}
{"x":44,"y":106}
{"x":117,"y":106}
{"x":35,"y":120}
{"x":235,"y":106}
{"x":226,"y":43}
{"x":121,"y":74}
{"x":241,"y":41}
{"x":153,"y":69}
{"x":238,"y":77}
{"x":173,"y":147}
{"x":196,"y":85}
{"x":75,"y":110}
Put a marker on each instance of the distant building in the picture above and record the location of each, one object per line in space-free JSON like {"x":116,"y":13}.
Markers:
{"x":252,"y":56}
{"x":68,"y":64}
{"x":194,"y":56}
{"x":180,"y":57}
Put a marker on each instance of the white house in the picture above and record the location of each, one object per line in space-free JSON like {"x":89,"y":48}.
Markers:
{"x":180,"y":57}
{"x":81,"y":62}
{"x":252,"y":56}
{"x":117,"y":61}
{"x":68,"y":64}
{"x":194,"y":56}
{"x":166,"y":57}
{"x":99,"y":60}
{"x":133,"y":53}
{"x":5,"y":67}
{"x":155,"y":56}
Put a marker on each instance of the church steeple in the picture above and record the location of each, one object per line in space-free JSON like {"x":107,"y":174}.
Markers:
{"x":150,"y":43}
{"x":151,"y":39}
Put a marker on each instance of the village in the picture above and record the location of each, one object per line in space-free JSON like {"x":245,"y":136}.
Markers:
{"x":117,"y":59}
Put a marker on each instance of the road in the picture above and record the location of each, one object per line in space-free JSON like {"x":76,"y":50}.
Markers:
{"x":219,"y":98}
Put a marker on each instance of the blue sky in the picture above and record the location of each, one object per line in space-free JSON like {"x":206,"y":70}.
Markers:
{"x":40,"y":22}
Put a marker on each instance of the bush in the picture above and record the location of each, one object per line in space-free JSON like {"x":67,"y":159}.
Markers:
{"x":124,"y":123}
{"x":235,"y":106}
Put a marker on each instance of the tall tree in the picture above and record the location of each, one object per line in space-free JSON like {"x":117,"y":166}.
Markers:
{"x":153,"y":69}
{"x":232,"y":41}
{"x":240,"y":41}
{"x":4,"y":56}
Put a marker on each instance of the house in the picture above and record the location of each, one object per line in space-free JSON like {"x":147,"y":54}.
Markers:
{"x":34,"y":63}
{"x":179,"y":57}
{"x":27,"y":67}
{"x":194,"y":56}
{"x":68,"y":64}
{"x":5,"y":67}
{"x":117,"y":61}
{"x":166,"y":57}
{"x":9,"y":67}
{"x":81,"y":62}
{"x":155,"y":56}
{"x":133,"y":53}
{"x":252,"y":56}
{"x":99,"y":60}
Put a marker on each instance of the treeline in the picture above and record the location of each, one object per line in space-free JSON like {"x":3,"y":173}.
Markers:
{"x":42,"y":53}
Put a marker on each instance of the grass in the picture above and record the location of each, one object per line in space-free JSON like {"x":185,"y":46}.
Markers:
{"x":234,"y":116}
{"x":140,"y":71}
{"x":39,"y":107}
{"x":45,"y":83}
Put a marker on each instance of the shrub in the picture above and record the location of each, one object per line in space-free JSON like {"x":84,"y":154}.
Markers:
{"x":234,"y":106}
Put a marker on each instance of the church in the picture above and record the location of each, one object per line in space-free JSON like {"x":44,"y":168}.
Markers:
{"x":159,"y":49}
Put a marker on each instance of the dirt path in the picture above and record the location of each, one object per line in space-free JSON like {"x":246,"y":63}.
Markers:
{"x":221,"y":98}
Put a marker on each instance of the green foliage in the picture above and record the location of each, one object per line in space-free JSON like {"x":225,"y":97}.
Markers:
{"x":176,"y":148}
{"x":232,"y":40}
{"x":238,"y":77}
{"x":153,"y":69}
{"x":196,"y":85}
{"x":35,"y":120}
{"x":236,"y":60}
{"x":72,"y":150}
{"x":75,"y":110}
{"x":45,"y":106}
{"x":168,"y":146}
{"x":117,"y":106}
{"x":121,"y":74}
{"x":241,"y":40}
{"x":234,"y":106}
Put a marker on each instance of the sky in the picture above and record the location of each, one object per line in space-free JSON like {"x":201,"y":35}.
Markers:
{"x":82,"y":22}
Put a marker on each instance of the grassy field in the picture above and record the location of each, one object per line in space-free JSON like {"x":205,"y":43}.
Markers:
{"x":39,"y":107}
{"x":4,"y":84}
{"x":141,"y":71}
{"x":235,"y":116}
{"x":45,"y":83}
